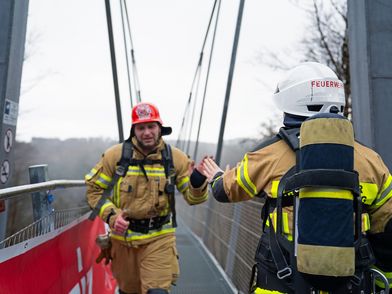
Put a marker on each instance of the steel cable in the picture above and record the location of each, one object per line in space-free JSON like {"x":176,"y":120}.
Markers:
{"x":197,"y":73}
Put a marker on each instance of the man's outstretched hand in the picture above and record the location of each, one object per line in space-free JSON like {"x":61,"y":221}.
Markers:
{"x":209,"y":168}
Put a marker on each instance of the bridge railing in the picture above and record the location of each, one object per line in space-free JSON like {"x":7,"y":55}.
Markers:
{"x":8,"y":193}
{"x":53,"y":220}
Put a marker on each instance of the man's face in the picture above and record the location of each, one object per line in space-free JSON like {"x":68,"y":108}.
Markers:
{"x":147,"y":135}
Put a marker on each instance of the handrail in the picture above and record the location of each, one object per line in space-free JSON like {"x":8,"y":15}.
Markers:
{"x":56,"y":219}
{"x":49,"y":185}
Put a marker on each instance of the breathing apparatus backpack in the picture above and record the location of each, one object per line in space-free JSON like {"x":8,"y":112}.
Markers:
{"x":328,"y":251}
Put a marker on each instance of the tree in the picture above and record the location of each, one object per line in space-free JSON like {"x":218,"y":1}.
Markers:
{"x":267,"y":130}
{"x":328,"y":42}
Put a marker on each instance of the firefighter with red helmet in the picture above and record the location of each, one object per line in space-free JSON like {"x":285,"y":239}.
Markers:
{"x":140,"y":210}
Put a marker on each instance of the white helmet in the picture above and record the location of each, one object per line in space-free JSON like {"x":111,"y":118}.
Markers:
{"x":310,"y":88}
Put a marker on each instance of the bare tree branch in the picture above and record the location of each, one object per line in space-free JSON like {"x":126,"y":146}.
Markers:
{"x":324,"y":44}
{"x":341,"y":11}
{"x":327,"y":43}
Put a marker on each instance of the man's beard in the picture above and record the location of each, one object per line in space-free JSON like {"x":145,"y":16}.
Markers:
{"x":148,"y":147}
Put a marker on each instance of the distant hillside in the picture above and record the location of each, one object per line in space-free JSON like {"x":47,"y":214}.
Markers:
{"x":73,"y":158}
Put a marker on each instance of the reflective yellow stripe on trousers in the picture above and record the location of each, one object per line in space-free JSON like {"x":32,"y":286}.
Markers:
{"x":265,"y":291}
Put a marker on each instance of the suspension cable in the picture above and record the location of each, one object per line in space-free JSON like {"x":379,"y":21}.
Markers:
{"x":126,"y":51}
{"x":187,"y":106}
{"x":193,"y":113}
{"x":206,"y":82}
{"x":133,"y":59}
{"x":198,"y":69}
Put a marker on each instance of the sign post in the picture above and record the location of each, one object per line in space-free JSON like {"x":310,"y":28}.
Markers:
{"x":13,"y":22}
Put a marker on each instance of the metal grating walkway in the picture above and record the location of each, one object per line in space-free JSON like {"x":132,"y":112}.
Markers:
{"x":199,"y":273}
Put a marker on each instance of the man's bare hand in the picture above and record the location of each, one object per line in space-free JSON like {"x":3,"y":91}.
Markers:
{"x":210,"y":168}
{"x":120,"y":224}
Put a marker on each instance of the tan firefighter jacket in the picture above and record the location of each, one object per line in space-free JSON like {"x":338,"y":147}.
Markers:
{"x":262,"y":170}
{"x":140,"y":194}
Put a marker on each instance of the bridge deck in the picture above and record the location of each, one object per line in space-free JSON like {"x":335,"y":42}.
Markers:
{"x":199,"y":272}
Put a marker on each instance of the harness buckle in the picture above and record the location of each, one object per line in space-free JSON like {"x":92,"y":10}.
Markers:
{"x":284,"y":273}
{"x":150,"y":223}
{"x":121,"y":171}
{"x":356,"y":280}
{"x":169,"y":188}
{"x":156,"y":224}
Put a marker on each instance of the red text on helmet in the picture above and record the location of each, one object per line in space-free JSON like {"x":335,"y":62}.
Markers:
{"x":326,"y":84}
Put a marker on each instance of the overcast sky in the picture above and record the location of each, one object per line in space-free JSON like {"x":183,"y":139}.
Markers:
{"x":67,"y":85}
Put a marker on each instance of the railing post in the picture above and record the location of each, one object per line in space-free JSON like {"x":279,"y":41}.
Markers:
{"x":231,"y":252}
{"x":210,"y":207}
{"x":41,"y":205}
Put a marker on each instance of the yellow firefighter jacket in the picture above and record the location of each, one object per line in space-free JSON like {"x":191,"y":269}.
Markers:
{"x":262,"y":170}
{"x":140,"y":194}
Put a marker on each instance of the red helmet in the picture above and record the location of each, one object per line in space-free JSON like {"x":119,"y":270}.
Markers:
{"x":147,"y":112}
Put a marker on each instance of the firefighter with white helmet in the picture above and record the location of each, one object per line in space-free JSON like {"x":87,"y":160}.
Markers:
{"x":308,"y":89}
{"x":140,"y":211}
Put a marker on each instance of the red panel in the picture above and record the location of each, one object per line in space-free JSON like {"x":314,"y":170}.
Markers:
{"x":52,"y":267}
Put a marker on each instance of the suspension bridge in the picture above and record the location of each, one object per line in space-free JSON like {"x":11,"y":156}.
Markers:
{"x":56,"y":251}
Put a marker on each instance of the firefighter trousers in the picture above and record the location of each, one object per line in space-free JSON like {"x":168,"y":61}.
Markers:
{"x":152,"y":265}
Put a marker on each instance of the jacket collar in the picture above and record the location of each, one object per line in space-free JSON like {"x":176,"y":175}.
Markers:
{"x":293,"y":121}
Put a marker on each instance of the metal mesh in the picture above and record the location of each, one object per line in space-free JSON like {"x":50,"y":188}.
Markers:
{"x":55,"y":220}
{"x":230,"y":231}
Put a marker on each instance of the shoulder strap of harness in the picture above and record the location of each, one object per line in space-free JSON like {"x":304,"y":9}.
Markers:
{"x":167,"y":159}
{"x":121,"y":170}
{"x":290,"y":136}
{"x":126,"y":157}
{"x":170,"y":172}
{"x":277,"y":241}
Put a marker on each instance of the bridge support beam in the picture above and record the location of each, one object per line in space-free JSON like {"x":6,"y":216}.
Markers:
{"x":370,"y":45}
